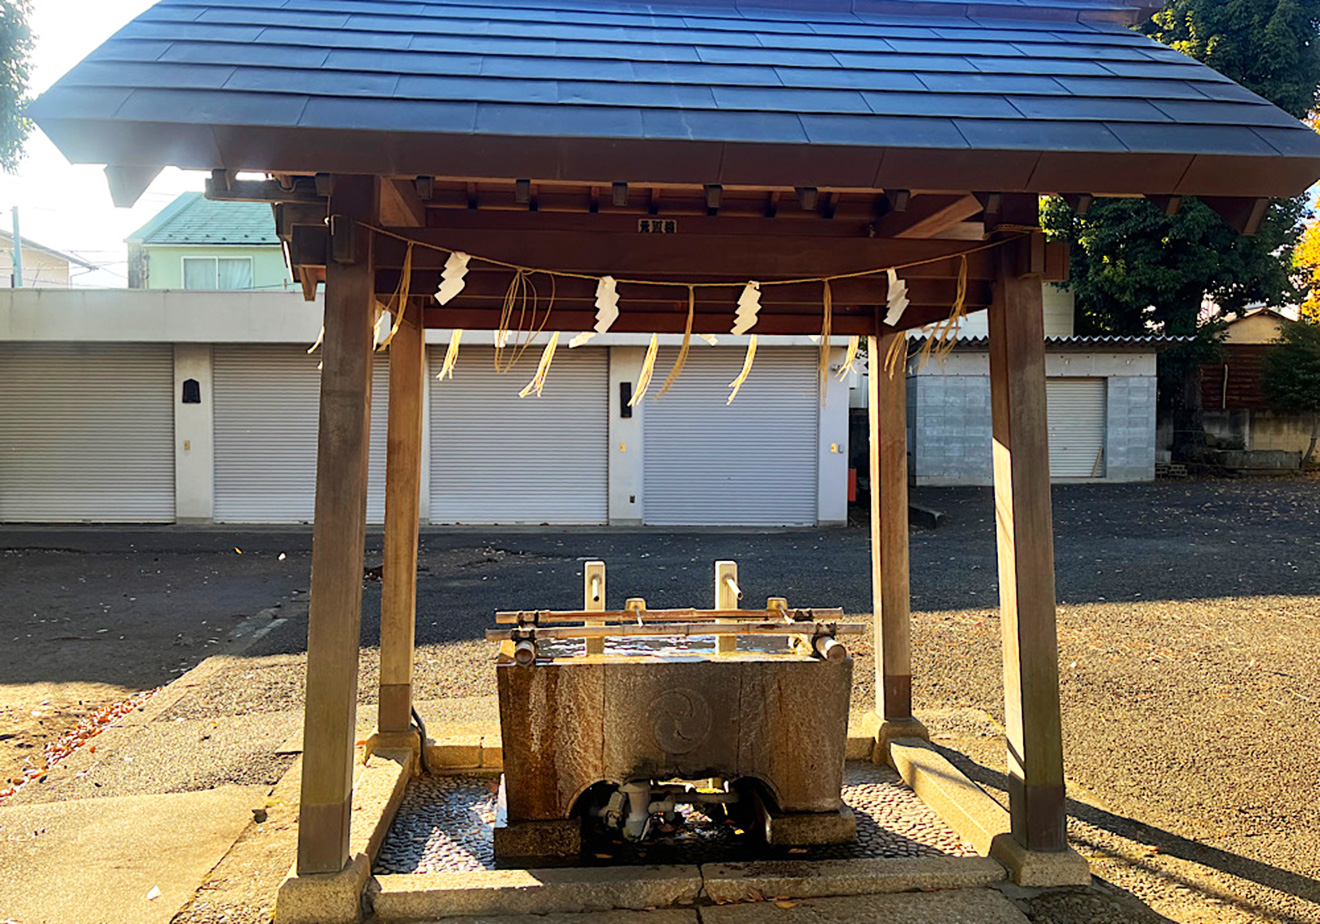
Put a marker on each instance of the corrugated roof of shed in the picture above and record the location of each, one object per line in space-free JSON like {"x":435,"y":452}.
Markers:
{"x":194,"y":219}
{"x":223,"y":83}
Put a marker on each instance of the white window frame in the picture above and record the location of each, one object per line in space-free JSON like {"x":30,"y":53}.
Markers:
{"x":216,"y":258}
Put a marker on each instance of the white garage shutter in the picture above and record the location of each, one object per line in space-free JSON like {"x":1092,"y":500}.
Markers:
{"x":267,"y":404}
{"x":86,"y":432}
{"x":498,"y":458}
{"x":750,"y":463}
{"x":1077,"y":427}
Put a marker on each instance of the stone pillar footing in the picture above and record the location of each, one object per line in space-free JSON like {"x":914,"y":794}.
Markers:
{"x":804,"y":829}
{"x":895,"y":728}
{"x":546,"y":842}
{"x":324,"y":898}
{"x":1039,"y":869}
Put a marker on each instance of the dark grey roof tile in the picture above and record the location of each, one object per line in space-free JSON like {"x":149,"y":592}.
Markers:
{"x":894,"y":61}
{"x":560,"y":68}
{"x":1291,"y":142}
{"x":646,"y":95}
{"x":761,"y":56}
{"x":198,"y":31}
{"x":857,"y":80}
{"x":789,"y":100}
{"x":980,"y":82}
{"x":1129,"y":87}
{"x":1087,"y":108}
{"x":1050,"y":67}
{"x":77,"y":102}
{"x":882,"y":131}
{"x":1220,"y":112}
{"x":326,"y":38}
{"x":731,"y":74}
{"x":278,"y":17}
{"x":312,"y":83}
{"x":940,"y":105}
{"x":1017,"y":134}
{"x":723,"y":126}
{"x":558,"y":121}
{"x":117,"y":49}
{"x":245,"y":53}
{"x":151,"y":74}
{"x":221,"y":107}
{"x":406,"y":62}
{"x":1178,"y":139}
{"x":390,"y":115}
{"x":476,"y":88}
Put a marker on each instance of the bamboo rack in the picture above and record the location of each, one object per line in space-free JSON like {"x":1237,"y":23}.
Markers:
{"x":684,"y":629}
{"x":778,"y":616}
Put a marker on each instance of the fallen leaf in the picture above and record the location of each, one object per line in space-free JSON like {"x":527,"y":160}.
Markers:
{"x":782,"y":904}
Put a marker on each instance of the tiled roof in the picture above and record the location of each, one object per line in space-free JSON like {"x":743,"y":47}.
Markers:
{"x":194,"y":219}
{"x":1038,"y":77}
{"x":1152,"y":343}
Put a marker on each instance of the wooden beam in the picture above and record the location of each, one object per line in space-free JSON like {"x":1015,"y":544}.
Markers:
{"x":1169,"y":205}
{"x":303,"y":189}
{"x":927,"y":216}
{"x":1024,"y":531}
{"x":890,"y":596}
{"x":1242,"y":215}
{"x":686,"y":256}
{"x":403,"y":480}
{"x":1080,"y":203}
{"x":127,"y":184}
{"x":338,"y":537}
{"x":400,"y":204}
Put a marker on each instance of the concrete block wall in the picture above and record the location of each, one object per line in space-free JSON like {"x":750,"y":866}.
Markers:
{"x":1130,"y":429}
{"x":952,"y":430}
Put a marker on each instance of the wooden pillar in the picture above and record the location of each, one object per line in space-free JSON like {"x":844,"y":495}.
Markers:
{"x":1026,"y":549}
{"x":403,"y":482}
{"x":338,"y":535}
{"x":890,"y":596}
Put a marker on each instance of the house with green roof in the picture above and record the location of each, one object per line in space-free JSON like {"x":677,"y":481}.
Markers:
{"x":197,"y":243}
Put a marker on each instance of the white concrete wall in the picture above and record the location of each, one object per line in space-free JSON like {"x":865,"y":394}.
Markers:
{"x":194,"y":442}
{"x":1058,"y":305}
{"x":626,"y":472}
{"x":832,"y":468}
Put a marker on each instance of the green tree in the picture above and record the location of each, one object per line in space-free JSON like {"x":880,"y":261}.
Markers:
{"x":1136,"y":270}
{"x":15,"y":51}
{"x":1291,"y":375}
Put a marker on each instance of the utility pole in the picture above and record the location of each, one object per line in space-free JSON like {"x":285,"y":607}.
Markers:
{"x":18,"y":253}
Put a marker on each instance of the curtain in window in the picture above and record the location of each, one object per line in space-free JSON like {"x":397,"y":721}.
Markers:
{"x":199,"y":272}
{"x":235,"y":273}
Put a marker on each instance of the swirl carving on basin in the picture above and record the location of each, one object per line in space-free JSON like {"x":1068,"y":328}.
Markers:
{"x":680,"y":720}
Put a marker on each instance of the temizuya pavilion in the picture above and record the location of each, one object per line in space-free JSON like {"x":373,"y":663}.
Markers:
{"x":793,"y":139}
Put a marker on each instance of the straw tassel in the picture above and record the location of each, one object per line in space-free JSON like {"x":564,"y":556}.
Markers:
{"x":319,"y":338}
{"x":942,"y":338}
{"x":648,"y":369}
{"x":854,"y":344}
{"x":682,"y":350}
{"x":823,"y":364}
{"x":542,"y":369}
{"x":451,"y":356}
{"x":399,"y":303}
{"x":746,"y":370}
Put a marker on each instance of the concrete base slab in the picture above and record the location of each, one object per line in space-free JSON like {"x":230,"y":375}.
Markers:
{"x":965,"y":906}
{"x":112,"y":852}
{"x":1038,"y":869}
{"x":522,"y":842}
{"x":802,"y":829}
{"x":735,"y":882}
{"x":891,"y":731}
{"x":659,"y":916}
{"x":378,"y":789}
{"x":427,"y":896}
{"x":966,"y":807}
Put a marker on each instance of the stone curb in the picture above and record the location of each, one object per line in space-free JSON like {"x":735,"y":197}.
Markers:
{"x":735,"y":882}
{"x":426,"y":896}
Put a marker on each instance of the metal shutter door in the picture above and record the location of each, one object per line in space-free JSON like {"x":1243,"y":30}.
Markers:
{"x":86,"y":432}
{"x":267,"y":404}
{"x":750,"y":463}
{"x":1076,"y":410}
{"x":498,"y":458}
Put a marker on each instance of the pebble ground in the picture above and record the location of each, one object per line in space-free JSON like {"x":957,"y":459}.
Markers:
{"x":446,"y":823}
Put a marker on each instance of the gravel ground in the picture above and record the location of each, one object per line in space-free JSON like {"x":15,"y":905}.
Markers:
{"x":1187,"y":624}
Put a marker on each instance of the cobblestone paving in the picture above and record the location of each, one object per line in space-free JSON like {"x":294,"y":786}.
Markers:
{"x":445,"y":826}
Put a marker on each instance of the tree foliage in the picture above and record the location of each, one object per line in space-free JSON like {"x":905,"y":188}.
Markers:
{"x":1307,"y":260}
{"x":1290,"y":375}
{"x":15,"y":51}
{"x":1268,"y":46}
{"x":1136,"y":270}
